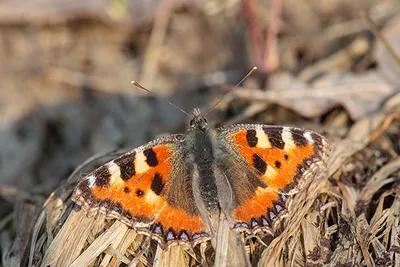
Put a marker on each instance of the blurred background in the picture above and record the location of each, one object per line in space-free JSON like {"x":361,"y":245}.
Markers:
{"x":66,"y":67}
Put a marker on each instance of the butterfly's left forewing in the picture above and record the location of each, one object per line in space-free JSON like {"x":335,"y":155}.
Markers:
{"x":263,"y":164}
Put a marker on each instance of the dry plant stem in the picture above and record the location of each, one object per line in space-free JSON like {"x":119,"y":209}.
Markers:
{"x":5,"y":220}
{"x":111,"y":237}
{"x":270,"y":52}
{"x":154,"y":49}
{"x":380,"y":179}
{"x":222,"y":241}
{"x":255,"y":32}
{"x":385,"y":124}
{"x":381,"y":10}
{"x":35,"y":236}
{"x":380,"y":36}
{"x":297,"y":210}
{"x":230,"y":250}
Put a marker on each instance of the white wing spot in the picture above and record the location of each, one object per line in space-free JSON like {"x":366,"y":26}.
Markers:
{"x":288,"y":139}
{"x":263,"y":141}
{"x":270,"y":173}
{"x":141,"y":165}
{"x":308,"y":136}
{"x":92,"y":180}
{"x":115,"y":172}
{"x":151,"y":197}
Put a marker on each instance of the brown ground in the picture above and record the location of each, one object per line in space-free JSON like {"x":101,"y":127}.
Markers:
{"x":65,"y":95}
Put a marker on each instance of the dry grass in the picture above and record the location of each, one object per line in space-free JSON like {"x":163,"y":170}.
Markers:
{"x":346,"y":216}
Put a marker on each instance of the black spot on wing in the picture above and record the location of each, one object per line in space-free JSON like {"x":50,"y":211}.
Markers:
{"x":251,"y":137}
{"x":151,"y":157}
{"x":139,"y":193}
{"x":126,"y":190}
{"x":275,"y":136}
{"x":278,"y":164}
{"x":259,"y":163}
{"x":157,"y":184}
{"x":102,"y":175}
{"x":126,"y":163}
{"x":298,"y":137}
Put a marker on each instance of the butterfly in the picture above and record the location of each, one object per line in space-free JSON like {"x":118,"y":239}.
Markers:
{"x":166,"y":188}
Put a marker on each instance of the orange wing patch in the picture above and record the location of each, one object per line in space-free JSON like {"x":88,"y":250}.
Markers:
{"x":129,"y":188}
{"x":279,"y":161}
{"x":282,"y":158}
{"x":175,"y":226}
{"x":259,"y":211}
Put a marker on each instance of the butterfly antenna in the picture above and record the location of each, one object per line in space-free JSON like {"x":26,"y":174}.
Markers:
{"x":233,"y":88}
{"x":159,"y":97}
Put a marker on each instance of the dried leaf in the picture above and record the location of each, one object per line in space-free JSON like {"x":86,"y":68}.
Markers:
{"x":359,"y":97}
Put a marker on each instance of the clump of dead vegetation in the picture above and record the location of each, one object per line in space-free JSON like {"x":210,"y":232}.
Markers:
{"x":325,"y":71}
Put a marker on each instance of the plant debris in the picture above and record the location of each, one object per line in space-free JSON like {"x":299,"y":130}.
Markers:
{"x":66,"y":96}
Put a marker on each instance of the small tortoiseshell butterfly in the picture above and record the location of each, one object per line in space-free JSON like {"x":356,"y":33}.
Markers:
{"x":165,"y":188}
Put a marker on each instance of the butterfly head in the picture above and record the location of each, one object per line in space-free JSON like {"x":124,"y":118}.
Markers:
{"x":198,"y":122}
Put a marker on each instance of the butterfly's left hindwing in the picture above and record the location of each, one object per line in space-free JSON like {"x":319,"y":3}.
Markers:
{"x":262,"y":164}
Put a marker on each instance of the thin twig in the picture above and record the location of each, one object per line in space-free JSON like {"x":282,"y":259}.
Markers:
{"x":270,"y":52}
{"x":154,"y":48}
{"x":380,"y":36}
{"x":255,"y":32}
